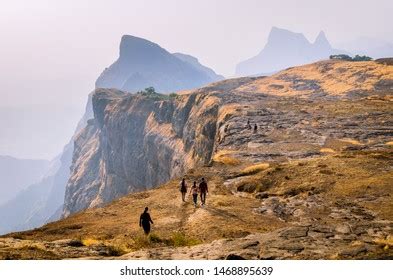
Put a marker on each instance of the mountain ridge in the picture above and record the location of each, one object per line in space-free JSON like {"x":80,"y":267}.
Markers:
{"x":142,"y":64}
{"x":285,"y":49}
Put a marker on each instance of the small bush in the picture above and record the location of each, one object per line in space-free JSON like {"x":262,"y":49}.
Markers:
{"x":178,"y":239}
{"x":90,"y":241}
{"x":154,"y":238}
{"x":141,"y":242}
{"x":173,"y":95}
{"x":115,"y":251}
{"x":349,"y":58}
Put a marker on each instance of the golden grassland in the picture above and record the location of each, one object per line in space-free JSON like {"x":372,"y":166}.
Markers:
{"x":335,"y":77}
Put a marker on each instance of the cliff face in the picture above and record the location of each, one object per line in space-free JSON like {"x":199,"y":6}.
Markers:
{"x":136,"y":142}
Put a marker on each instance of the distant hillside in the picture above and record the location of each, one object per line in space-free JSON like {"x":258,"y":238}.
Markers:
{"x":197,"y":65}
{"x":285,"y":49}
{"x":17,"y":174}
{"x":143,"y":64}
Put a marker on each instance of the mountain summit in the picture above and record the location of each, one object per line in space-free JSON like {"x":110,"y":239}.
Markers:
{"x":142,"y":63}
{"x":284,"y":49}
{"x":321,"y":41}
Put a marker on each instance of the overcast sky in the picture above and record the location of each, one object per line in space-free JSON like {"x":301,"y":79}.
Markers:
{"x":51,"y":51}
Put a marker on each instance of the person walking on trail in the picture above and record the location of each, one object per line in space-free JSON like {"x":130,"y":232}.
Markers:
{"x":145,"y":220}
{"x":203,"y":190}
{"x":255,"y":128}
{"x":194,"y":192}
{"x":248,"y":124}
{"x":183,"y":189}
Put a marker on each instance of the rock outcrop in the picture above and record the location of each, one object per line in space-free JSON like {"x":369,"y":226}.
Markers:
{"x":136,"y":142}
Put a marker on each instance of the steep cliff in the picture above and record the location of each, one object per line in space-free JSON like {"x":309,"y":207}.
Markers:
{"x":136,"y":142}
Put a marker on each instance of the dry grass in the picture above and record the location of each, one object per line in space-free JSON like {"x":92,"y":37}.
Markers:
{"x":90,"y":241}
{"x":385,"y":243}
{"x":333,"y":77}
{"x":335,"y":176}
{"x":224,"y":157}
{"x":253,"y":169}
{"x":327,"y":150}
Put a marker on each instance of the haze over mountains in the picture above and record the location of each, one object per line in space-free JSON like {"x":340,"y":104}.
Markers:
{"x":373,"y":47}
{"x":16,"y":174}
{"x":285,"y":49}
{"x":141,"y":64}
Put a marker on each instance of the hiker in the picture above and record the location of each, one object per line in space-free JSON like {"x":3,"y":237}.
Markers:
{"x":248,"y":124}
{"x":145,"y":220}
{"x":183,"y":189}
{"x":194,"y":192}
{"x":255,"y":128}
{"x":203,"y":190}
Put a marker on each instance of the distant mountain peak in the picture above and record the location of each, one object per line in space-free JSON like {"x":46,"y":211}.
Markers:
{"x":142,"y":64}
{"x":285,"y":49}
{"x":132,"y":45}
{"x":277,"y":35}
{"x":321,"y":40}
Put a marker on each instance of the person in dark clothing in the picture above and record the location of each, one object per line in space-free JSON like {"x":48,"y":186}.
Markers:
{"x":194,"y":192}
{"x":145,"y":220}
{"x":203,"y":190}
{"x":248,"y":124}
{"x":255,"y":128}
{"x":183,"y":189}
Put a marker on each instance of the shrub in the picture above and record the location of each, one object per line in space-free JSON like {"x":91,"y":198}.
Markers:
{"x":348,"y":58}
{"x":115,"y":251}
{"x":89,"y":241}
{"x":179,"y":240}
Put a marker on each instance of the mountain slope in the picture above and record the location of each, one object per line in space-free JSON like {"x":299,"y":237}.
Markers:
{"x":285,"y":49}
{"x":17,"y":174}
{"x":143,"y":64}
{"x":195,"y":63}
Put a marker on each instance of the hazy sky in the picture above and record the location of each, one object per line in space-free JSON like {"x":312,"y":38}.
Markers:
{"x":51,"y":51}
